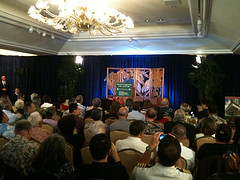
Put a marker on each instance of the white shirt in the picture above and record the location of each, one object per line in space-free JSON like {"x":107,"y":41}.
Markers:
{"x":159,"y":171}
{"x":136,"y":115}
{"x":189,"y":155}
{"x":131,"y":143}
{"x":46,"y":105}
{"x":198,"y":135}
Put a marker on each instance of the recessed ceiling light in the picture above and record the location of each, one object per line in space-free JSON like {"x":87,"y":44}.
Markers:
{"x":146,"y":20}
{"x":14,"y":53}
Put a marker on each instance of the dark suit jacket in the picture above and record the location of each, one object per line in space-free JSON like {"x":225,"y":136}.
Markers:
{"x":6,"y":86}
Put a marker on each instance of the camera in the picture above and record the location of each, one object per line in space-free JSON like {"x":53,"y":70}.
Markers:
{"x":161,"y":136}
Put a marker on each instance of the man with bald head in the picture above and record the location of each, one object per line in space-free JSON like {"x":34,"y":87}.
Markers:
{"x":4,"y":86}
{"x":122,"y":122}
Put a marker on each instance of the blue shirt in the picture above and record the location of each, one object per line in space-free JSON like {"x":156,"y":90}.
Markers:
{"x":7,"y":131}
{"x":129,"y":81}
{"x":11,"y":116}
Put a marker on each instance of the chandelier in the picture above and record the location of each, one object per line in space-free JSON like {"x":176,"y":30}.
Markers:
{"x":75,"y":16}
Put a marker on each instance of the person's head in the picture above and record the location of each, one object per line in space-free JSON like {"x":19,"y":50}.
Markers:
{"x":6,"y":105}
{"x":97,"y":127}
{"x":212,"y":109}
{"x":74,"y":109}
{"x":179,"y":116}
{"x":97,"y":114}
{"x":21,"y":96}
{"x":96,"y":102}
{"x":122,"y":113}
{"x":46,"y":98}
{"x":147,"y":104}
{"x":100,"y":146}
{"x":151,"y":114}
{"x":165,"y":102}
{"x":115,"y":106}
{"x":66,"y":125}
{"x":169,"y":151}
{"x":50,"y":112}
{"x":223,"y":133}
{"x":137,"y":128}
{"x":207,"y":126}
{"x":61,"y":99}
{"x":17,"y":91}
{"x":51,"y":154}
{"x":3,"y":78}
{"x":71,"y":100}
{"x":3,"y":117}
{"x":36,"y":100}
{"x":186,"y":107}
{"x":35,"y":119}
{"x":136,"y":106}
{"x":128,"y":75}
{"x":79,"y":99}
{"x":33,"y":95}
{"x":160,"y":114}
{"x":179,"y":131}
{"x":129,"y":102}
{"x":23,"y":128}
{"x":29,"y":107}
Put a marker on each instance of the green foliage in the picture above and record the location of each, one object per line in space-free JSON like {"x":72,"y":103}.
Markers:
{"x":70,"y":74}
{"x":207,"y":78}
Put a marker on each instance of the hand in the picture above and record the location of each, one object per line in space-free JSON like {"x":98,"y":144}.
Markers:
{"x":4,"y":89}
{"x":155,"y":140}
{"x":113,"y":153}
{"x":233,"y":161}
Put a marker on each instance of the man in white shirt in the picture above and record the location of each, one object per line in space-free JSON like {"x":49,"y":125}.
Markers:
{"x":134,"y":140}
{"x":135,"y":114}
{"x":7,"y":107}
{"x":179,"y":131}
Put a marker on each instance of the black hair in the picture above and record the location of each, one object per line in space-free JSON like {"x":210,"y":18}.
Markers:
{"x":223,"y":133}
{"x":136,"y":105}
{"x":73,"y":107}
{"x":96,"y":114}
{"x":136,"y":127}
{"x":66,"y":125}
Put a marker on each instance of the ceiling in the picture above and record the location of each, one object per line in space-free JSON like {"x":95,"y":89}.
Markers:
{"x":161,"y":27}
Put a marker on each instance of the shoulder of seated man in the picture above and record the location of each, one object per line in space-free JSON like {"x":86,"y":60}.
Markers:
{"x":183,"y":170}
{"x":144,"y":165}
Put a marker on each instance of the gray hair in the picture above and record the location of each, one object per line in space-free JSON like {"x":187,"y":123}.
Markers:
{"x":97,"y":127}
{"x":123,"y":111}
{"x":6,"y":104}
{"x":164,"y":102}
{"x":179,"y":116}
{"x":19,"y":104}
{"x":35,"y":119}
{"x":33,"y":95}
{"x":23,"y":125}
{"x":36,"y":100}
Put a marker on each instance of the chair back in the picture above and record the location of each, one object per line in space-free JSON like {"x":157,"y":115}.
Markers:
{"x":129,"y":158}
{"x":109,"y":121}
{"x":47,"y":127}
{"x":202,"y":140}
{"x":86,"y":155}
{"x":69,"y":152}
{"x":3,"y":141}
{"x":146,"y":138}
{"x":87,"y":135}
{"x":88,"y":120}
{"x":183,"y":162}
{"x":186,"y":142}
{"x":116,"y":135}
{"x":160,"y":124}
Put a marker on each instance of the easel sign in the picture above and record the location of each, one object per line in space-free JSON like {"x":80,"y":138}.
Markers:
{"x":124,"y":89}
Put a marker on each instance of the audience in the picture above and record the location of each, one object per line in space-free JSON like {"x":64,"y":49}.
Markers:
{"x":186,"y":107}
{"x":97,"y":127}
{"x":7,"y":108}
{"x":204,"y":110}
{"x":207,"y":127}
{"x":135,"y":114}
{"x":146,"y":104}
{"x":70,"y":101}
{"x":46,"y":102}
{"x":100,"y":148}
{"x":14,"y":96}
{"x":160,"y":116}
{"x":114,"y":107}
{"x":19,"y":104}
{"x":50,"y":114}
{"x":122,"y":122}
{"x":19,"y":152}
{"x":75,"y":112}
{"x":150,"y":116}
{"x":79,"y":99}
{"x":134,"y":140}
{"x":37,"y":102}
{"x":96,"y":103}
{"x":129,"y":103}
{"x":29,"y":108}
{"x":169,"y":151}
{"x":6,"y":130}
{"x":213,"y":111}
{"x":37,"y":132}
{"x":33,"y":95}
{"x":179,"y":131}
{"x":167,"y":111}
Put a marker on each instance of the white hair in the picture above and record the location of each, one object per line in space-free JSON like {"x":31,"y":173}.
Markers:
{"x":33,"y":95}
{"x":179,"y":116}
{"x":19,"y":104}
{"x":35,"y":119}
{"x":97,"y":127}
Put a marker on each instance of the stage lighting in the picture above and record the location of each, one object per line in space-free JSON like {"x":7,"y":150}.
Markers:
{"x":79,"y":60}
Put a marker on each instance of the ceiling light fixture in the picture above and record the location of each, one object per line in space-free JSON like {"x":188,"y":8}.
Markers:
{"x":76,"y":16}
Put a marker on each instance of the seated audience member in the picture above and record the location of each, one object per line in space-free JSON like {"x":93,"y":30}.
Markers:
{"x":79,"y":99}
{"x":75,"y":112}
{"x":168,"y":153}
{"x":66,"y":127}
{"x":7,"y":108}
{"x":70,"y":101}
{"x":134,"y":140}
{"x":5,"y":129}
{"x":97,"y":127}
{"x":213,"y":111}
{"x":19,"y":104}
{"x":167,"y":111}
{"x":61,"y":100}
{"x":207,"y":127}
{"x":179,"y":118}
{"x":50,"y":113}
{"x":204,"y":112}
{"x":186,"y":107}
{"x":29,"y":108}
{"x":37,"y":102}
{"x":59,"y":113}
{"x":146,"y":104}
{"x":51,"y":160}
{"x":97,"y":117}
{"x":129,"y":103}
{"x":222,"y":145}
{"x":14,"y":96}
{"x":46,"y":102}
{"x":150,"y":116}
{"x":33,"y":95}
{"x":37,"y":132}
{"x":100,"y":148}
{"x":96,"y":103}
{"x":135,"y":114}
{"x":122,"y":122}
{"x":179,"y":131}
{"x":19,"y":152}
{"x":160,"y":117}
{"x":114,"y":107}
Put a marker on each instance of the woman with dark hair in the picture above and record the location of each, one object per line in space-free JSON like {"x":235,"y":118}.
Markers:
{"x":207,"y":128}
{"x":114,"y":107}
{"x":51,"y":160}
{"x":222,"y":145}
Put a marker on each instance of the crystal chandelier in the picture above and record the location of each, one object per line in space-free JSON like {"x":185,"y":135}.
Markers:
{"x":76,"y":16}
